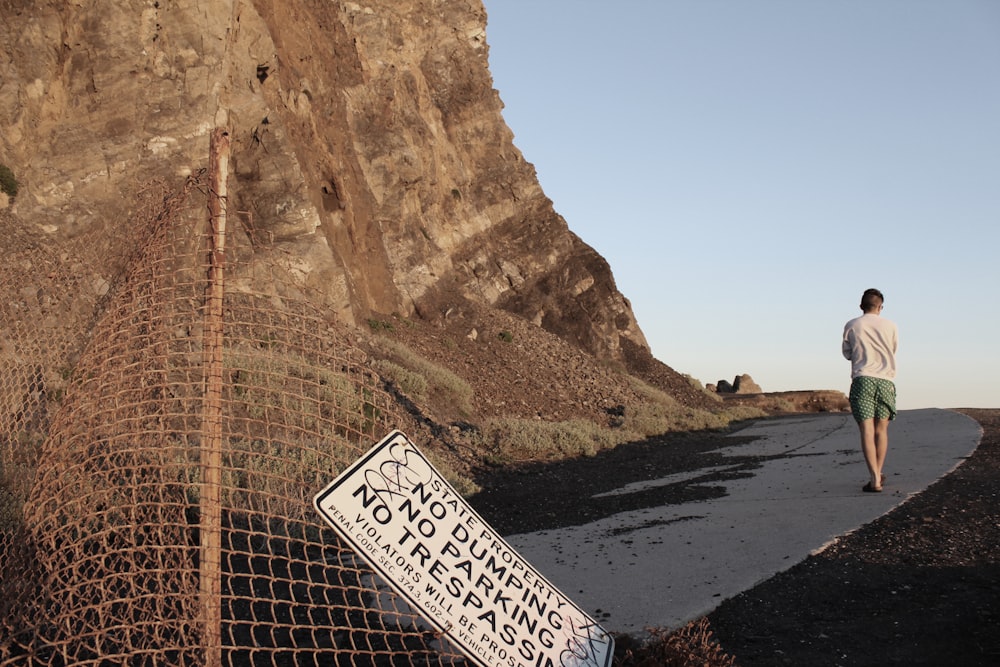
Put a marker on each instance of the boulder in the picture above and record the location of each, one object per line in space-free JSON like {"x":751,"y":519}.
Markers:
{"x":744,"y":384}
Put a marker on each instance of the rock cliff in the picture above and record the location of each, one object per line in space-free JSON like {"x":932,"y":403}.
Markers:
{"x":367,"y":143}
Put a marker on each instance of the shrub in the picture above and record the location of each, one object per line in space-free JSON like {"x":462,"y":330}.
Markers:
{"x":696,"y":383}
{"x":661,"y":413}
{"x":272,"y":386}
{"x":506,"y":440}
{"x":657,"y":418}
{"x":412,"y":384}
{"x":437,"y":378}
{"x":293,"y":425}
{"x":694,"y":644}
{"x":650,"y":393}
{"x":742,"y":412}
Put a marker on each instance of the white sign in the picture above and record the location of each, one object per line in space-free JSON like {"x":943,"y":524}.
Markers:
{"x":413,"y":528}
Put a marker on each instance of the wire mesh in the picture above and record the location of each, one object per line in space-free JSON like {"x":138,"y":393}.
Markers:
{"x":106,"y":497}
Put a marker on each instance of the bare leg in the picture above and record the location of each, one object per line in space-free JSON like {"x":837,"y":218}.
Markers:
{"x":881,"y":444}
{"x":870,"y":450}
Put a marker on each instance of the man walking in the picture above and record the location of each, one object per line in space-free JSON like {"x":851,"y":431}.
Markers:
{"x":870,"y":343}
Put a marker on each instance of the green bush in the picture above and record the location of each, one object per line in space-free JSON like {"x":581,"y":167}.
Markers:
{"x":8,"y":183}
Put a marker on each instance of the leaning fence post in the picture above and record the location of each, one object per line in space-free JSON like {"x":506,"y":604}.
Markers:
{"x":210,"y":562}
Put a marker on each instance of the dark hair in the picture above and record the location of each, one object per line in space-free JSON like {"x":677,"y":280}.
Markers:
{"x":871,"y":299}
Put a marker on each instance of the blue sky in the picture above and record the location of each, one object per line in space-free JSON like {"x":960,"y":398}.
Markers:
{"x":748,"y":168}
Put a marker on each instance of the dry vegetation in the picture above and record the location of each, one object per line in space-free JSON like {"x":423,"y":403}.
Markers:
{"x":694,"y":645}
{"x":500,"y":391}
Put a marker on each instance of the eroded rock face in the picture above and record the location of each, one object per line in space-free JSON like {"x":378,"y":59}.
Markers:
{"x":367,"y":141}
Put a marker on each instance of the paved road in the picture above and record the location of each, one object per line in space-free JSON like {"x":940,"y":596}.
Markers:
{"x":668,"y":565}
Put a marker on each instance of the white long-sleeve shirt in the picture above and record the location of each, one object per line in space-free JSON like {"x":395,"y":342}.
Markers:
{"x":870,"y":344}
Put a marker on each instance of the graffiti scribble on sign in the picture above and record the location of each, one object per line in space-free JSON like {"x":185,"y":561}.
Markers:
{"x":415,"y":530}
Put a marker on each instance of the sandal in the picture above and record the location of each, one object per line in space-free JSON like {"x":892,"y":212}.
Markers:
{"x":868,"y":488}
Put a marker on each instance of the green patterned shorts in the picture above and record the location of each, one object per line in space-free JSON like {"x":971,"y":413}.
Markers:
{"x":873,"y":398}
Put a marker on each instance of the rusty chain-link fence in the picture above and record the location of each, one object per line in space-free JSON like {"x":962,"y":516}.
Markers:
{"x":167,"y":412}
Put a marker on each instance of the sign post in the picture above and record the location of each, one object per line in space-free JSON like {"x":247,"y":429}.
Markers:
{"x":435,"y":550}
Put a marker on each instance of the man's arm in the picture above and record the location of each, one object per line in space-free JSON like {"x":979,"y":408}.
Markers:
{"x":847,"y":345}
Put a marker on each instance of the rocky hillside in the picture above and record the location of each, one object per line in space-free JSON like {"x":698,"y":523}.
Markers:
{"x":367,"y":141}
{"x":369,"y":155}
